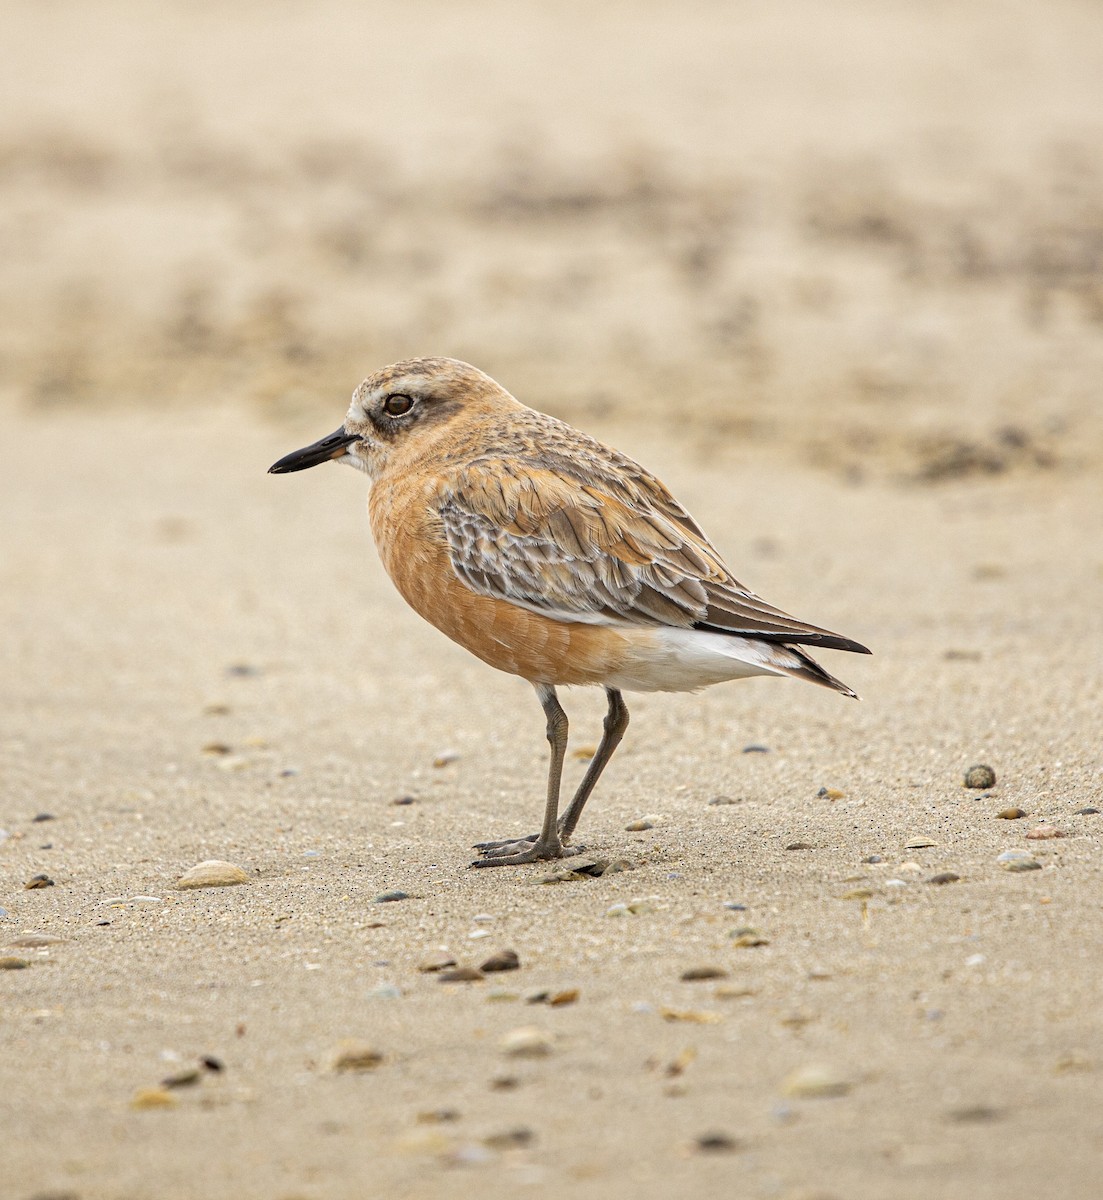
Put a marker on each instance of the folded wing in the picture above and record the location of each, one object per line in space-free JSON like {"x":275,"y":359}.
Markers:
{"x":610,"y":547}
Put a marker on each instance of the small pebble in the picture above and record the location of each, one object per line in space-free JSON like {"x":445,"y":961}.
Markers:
{"x":980,"y":776}
{"x":158,"y":1097}
{"x":43,"y":816}
{"x":800,"y":846}
{"x":815,"y":1082}
{"x":695,"y":974}
{"x":735,"y":906}
{"x":726,"y":800}
{"x":33,"y":941}
{"x":526,"y":1042}
{"x":1041,"y":833}
{"x":179,"y":1079}
{"x":438,"y":1116}
{"x":692,"y":1016}
{"x":747,"y":939}
{"x":716,"y":1143}
{"x":1018,"y":860}
{"x":402,"y":801}
{"x":1087,"y":812}
{"x":510,"y":1139}
{"x":639,"y":826}
{"x":212,"y":873}
{"x":355,"y":1056}
{"x":859,"y":893}
{"x":1010,"y":814}
{"x":919,"y":843}
{"x":460,"y":975}
{"x":873,"y":858}
{"x":445,"y":757}
{"x":944,"y":877}
{"x":38,"y":881}
{"x":826,"y":793}
{"x":209,"y":1063}
{"x":9,"y":962}
{"x":390,"y":897}
{"x":975,"y":1114}
{"x":1022,"y":864}
{"x":735,"y":991}
{"x":756,"y":748}
{"x":504,"y":960}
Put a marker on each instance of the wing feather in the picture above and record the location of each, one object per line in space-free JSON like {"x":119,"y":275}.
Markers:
{"x":615,"y":549}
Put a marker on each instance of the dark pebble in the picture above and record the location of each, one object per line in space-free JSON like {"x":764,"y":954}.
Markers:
{"x":242,"y":670}
{"x":510,"y":1139}
{"x":944,"y":877}
{"x":699,"y":974}
{"x":873,"y":858}
{"x":38,"y":881}
{"x":756,"y":748}
{"x":211,"y":1063}
{"x":735,"y":907}
{"x":404,"y":800}
{"x":716,"y":1143}
{"x":800,"y":846}
{"x":504,"y":960}
{"x":1087,"y":812}
{"x":725,"y":800}
{"x":390,"y":897}
{"x":44,"y":816}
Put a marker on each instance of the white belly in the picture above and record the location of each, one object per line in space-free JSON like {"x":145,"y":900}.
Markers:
{"x":684,"y":660}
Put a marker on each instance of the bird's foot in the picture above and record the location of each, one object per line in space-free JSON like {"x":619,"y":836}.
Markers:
{"x":513,"y":852}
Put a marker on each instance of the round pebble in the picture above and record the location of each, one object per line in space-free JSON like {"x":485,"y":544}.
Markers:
{"x":38,"y":881}
{"x":504,"y":960}
{"x":527,"y":1041}
{"x":980,"y":776}
{"x":212,"y":873}
{"x":944,"y":877}
{"x":639,"y":826}
{"x":1041,"y":833}
{"x":1010,"y":814}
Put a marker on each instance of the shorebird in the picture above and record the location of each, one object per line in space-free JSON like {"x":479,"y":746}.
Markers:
{"x":551,"y":556}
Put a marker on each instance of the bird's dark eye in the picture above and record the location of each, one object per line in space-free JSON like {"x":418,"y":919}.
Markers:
{"x":395,"y":406}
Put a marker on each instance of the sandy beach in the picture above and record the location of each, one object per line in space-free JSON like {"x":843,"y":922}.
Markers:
{"x":837,"y":282}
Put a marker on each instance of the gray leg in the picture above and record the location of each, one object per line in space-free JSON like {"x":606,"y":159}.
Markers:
{"x":547,"y":844}
{"x":616,"y":722}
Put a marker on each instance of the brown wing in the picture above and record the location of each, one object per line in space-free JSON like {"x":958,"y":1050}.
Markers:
{"x":601,"y":547}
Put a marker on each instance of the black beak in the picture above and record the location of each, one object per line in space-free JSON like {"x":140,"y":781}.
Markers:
{"x":310,"y":456}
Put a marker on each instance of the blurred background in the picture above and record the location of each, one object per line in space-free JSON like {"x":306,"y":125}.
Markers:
{"x":868,"y":233}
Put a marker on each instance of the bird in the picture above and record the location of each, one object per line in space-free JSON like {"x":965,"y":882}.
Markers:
{"x":551,"y":556}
